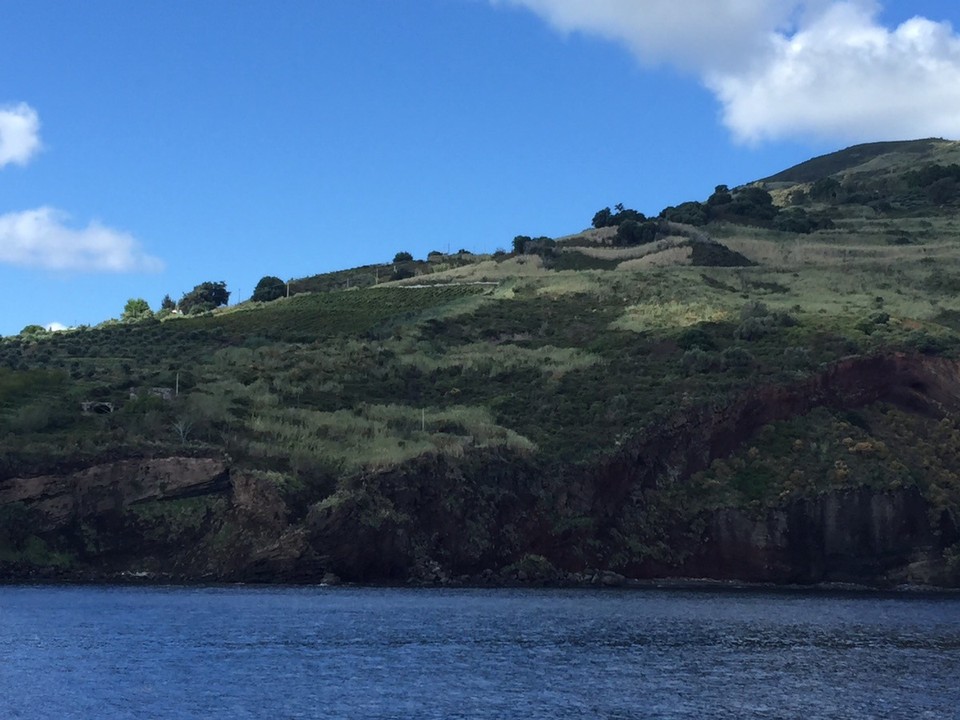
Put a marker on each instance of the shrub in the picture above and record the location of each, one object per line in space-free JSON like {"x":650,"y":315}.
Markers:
{"x":631,"y":232}
{"x":797,"y":358}
{"x":924,"y":342}
{"x":751,"y":203}
{"x":754,"y":328}
{"x":689,"y":213}
{"x":796,"y":220}
{"x":698,"y":361}
{"x":721,"y":196}
{"x":757,"y":320}
{"x":943,"y":281}
{"x":695,"y":337}
{"x":737,"y":358}
{"x":825,"y":189}
{"x":543,"y":245}
{"x":754,"y":309}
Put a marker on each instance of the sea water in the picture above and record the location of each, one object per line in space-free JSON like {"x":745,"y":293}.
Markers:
{"x":245,"y":652}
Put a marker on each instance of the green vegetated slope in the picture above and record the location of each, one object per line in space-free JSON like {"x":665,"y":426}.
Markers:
{"x":599,"y":401}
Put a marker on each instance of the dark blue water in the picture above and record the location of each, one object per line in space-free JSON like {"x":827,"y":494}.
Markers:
{"x":393,"y":653}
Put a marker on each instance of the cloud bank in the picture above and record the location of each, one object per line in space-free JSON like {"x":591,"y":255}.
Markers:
{"x":790,"y":68}
{"x":41,"y":238}
{"x":19,"y":134}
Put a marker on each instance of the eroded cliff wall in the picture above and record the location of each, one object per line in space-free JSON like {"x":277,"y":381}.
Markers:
{"x":440,"y":517}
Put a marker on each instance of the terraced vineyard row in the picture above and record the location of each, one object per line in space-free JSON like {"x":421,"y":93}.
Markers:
{"x":309,"y":316}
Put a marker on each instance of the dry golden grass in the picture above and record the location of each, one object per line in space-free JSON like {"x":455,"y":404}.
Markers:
{"x":628,"y":253}
{"x":670,"y":314}
{"x":799,"y":252}
{"x":590,"y":236}
{"x":571,"y":282}
{"x":664,"y":258}
{"x":483,"y":271}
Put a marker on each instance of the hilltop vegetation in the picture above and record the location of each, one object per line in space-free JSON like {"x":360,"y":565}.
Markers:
{"x":473,"y":405}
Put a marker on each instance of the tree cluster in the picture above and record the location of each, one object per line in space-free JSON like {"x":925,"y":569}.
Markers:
{"x":526,"y":245}
{"x":269,"y":288}
{"x":204,"y":297}
{"x":608,"y":218}
{"x":633,"y":232}
{"x":633,"y":227}
{"x":752,"y":205}
{"x":941,"y":182}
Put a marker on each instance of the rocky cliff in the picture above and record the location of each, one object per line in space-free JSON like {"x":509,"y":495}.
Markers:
{"x":113,"y":487}
{"x":478,"y":516}
{"x":851,"y":536}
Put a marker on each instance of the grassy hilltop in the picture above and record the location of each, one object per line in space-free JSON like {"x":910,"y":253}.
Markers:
{"x":511,"y":413}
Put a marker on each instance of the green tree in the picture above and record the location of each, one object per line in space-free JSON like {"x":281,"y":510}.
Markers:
{"x":943,"y":190}
{"x":605,"y":218}
{"x":602,"y":218}
{"x":203,"y":297}
{"x":167,"y":303}
{"x":135,"y":310}
{"x":631,"y":232}
{"x":402,"y":257}
{"x":520,"y":243}
{"x":268,"y":289}
{"x":825,"y":189}
{"x":721,"y":196}
{"x":751,"y":203}
{"x":690,"y":213}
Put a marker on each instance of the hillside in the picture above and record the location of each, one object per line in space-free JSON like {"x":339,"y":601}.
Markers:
{"x":760,"y":385}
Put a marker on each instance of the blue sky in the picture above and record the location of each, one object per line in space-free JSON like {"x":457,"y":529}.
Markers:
{"x":147,"y":147}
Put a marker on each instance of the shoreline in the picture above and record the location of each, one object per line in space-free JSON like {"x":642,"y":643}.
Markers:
{"x":706,"y":585}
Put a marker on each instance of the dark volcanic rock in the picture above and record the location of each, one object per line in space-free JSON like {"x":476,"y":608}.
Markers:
{"x":850,"y":536}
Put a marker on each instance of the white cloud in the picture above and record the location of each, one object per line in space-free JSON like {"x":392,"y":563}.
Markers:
{"x":845,"y":76}
{"x":56,"y":327}
{"x":19,"y":134}
{"x":791,"y":68}
{"x":41,"y":238}
{"x":691,"y":34}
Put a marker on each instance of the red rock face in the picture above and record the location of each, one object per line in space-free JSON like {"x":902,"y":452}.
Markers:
{"x":855,"y":535}
{"x":690,"y":441}
{"x":114,"y":486}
